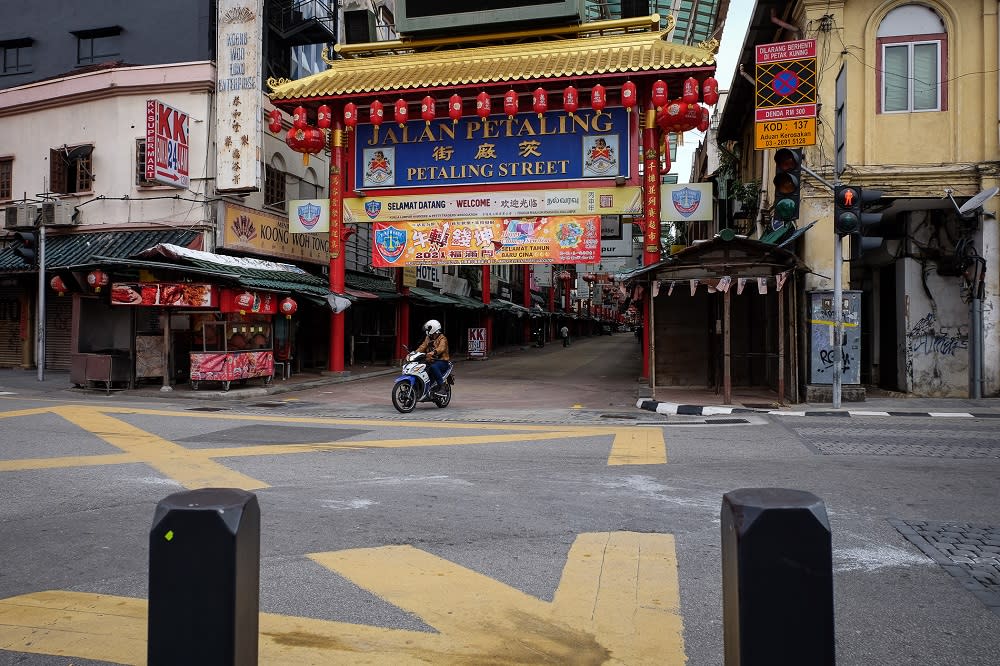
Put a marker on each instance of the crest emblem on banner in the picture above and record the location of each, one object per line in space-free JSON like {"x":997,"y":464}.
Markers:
{"x":373,"y":208}
{"x":390,"y":243}
{"x":308,"y":215}
{"x":379,"y":168}
{"x":600,"y":156}
{"x":686,"y":201}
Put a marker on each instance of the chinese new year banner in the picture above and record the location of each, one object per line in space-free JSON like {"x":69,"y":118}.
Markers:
{"x":531,"y":240}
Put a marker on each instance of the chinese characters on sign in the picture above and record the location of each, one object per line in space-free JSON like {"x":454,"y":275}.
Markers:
{"x":167,"y":143}
{"x":534,"y":240}
{"x":239,"y":122}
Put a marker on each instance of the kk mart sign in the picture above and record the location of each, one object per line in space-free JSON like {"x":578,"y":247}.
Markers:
{"x":785,"y":100}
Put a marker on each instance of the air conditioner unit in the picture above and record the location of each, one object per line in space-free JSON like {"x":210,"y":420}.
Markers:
{"x":57,"y":214}
{"x":21,"y":215}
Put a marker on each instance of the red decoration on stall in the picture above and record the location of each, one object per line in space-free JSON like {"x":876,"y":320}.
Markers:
{"x":97,"y":279}
{"x":288,"y":307}
{"x":427,"y":109}
{"x":629,"y":96}
{"x":299,"y":118}
{"x":571,"y":100}
{"x":375,"y":113}
{"x":402,"y":112}
{"x":275,"y":124}
{"x":323,"y":117}
{"x":598,"y":98}
{"x":350,"y":115}
{"x":659,"y":94}
{"x":710,"y":91}
{"x":539,"y":101}
{"x":455,"y":108}
{"x":689,"y":92}
{"x":510,"y":103}
{"x":483,"y":105}
{"x":58,"y":285}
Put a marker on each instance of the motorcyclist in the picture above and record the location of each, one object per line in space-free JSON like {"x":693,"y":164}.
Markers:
{"x":436,"y":347}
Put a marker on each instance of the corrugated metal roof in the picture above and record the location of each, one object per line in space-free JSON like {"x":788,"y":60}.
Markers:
{"x":80,"y":247}
{"x":628,"y":53}
{"x":380,"y":286}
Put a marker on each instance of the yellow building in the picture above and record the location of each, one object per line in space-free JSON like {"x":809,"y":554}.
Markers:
{"x":907,"y":100}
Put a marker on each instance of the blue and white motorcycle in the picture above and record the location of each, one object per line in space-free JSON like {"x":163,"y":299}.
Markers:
{"x":413,"y":385}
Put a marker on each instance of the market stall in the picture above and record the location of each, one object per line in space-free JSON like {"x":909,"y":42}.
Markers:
{"x":233,"y":351}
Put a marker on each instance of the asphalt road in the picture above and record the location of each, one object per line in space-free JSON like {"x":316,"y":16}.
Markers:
{"x":540,"y":518}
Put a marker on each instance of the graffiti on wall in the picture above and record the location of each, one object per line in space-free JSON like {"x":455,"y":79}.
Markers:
{"x":924,"y":339}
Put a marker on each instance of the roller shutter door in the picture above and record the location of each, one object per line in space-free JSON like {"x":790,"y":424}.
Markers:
{"x":11,"y":314}
{"x":58,"y":333}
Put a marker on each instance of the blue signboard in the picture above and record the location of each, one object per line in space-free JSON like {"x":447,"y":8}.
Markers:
{"x":523,"y":149}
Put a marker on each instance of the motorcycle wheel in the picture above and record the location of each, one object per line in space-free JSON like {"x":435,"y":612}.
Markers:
{"x":404,"y":398}
{"x":443,"y":396}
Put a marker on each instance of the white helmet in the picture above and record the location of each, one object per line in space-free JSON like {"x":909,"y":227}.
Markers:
{"x":432,"y":326}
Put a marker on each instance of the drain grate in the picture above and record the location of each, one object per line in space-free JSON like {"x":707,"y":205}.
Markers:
{"x":206,"y":409}
{"x":619,"y":416}
{"x":268,"y":404}
{"x":970,"y":553}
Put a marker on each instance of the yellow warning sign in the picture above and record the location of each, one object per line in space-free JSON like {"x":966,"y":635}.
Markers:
{"x":785,"y":133}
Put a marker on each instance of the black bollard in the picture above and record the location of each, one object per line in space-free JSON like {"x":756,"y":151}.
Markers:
{"x":204,"y":579}
{"x":777,"y":578}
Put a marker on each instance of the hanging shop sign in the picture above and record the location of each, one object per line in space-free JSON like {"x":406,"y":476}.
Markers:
{"x":477,"y":342}
{"x":307,"y":216}
{"x":558,"y":146}
{"x":527,"y":203}
{"x":246,"y":301}
{"x":255,"y":232}
{"x":164,"y":294}
{"x":538,"y":240}
{"x":167,"y":143}
{"x":239,"y":119}
{"x":689,"y":202}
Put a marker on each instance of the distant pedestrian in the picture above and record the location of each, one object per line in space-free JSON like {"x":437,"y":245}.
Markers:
{"x":564,"y":332}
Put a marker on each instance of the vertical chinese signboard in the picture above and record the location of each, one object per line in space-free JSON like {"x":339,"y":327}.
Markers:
{"x":785,"y":100}
{"x":239,"y":123}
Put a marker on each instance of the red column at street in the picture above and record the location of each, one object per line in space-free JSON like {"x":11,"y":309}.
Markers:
{"x":526,"y":278}
{"x":402,"y":318}
{"x":651,"y":216}
{"x":489,"y":313}
{"x":338,"y":150}
{"x":548,"y":333}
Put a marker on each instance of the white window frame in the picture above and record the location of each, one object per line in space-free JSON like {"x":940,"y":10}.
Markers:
{"x":938,"y":83}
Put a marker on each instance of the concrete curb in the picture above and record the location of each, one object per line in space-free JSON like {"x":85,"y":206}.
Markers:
{"x":673,"y":408}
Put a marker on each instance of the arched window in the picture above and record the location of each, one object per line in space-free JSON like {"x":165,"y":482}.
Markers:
{"x":912,"y":61}
{"x":308,"y":186}
{"x":274,"y":183}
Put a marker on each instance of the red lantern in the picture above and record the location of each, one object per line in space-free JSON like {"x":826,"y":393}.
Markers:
{"x":539,"y":101}
{"x":704,"y":122}
{"x":427,"y":109}
{"x":692,"y":116}
{"x":288,"y":307}
{"x":629,"y":97}
{"x":305,"y":140}
{"x":483,"y":105}
{"x":323,"y":117}
{"x":710,"y":91}
{"x":299,"y":119}
{"x":659,"y":94}
{"x":455,"y":108}
{"x":350,"y":115}
{"x":275,"y":124}
{"x":571,"y":100}
{"x":375,"y":113}
{"x":510,"y":103}
{"x":97,"y":279}
{"x":58,"y":285}
{"x":598,"y":98}
{"x":402,"y":112}
{"x":690,"y":91}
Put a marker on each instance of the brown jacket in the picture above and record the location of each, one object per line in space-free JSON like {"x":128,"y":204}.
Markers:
{"x":437,"y":348}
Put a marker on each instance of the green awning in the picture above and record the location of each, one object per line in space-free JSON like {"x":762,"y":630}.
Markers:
{"x":68,"y":250}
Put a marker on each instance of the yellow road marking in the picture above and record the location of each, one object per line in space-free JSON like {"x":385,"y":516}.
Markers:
{"x":618,"y":602}
{"x":195,"y":468}
{"x":172,"y":460}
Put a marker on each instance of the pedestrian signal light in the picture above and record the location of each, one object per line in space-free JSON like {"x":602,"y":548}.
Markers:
{"x":847,"y":210}
{"x":788,"y":171}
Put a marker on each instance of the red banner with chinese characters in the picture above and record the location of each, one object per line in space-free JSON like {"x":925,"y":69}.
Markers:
{"x":164,"y":294}
{"x":525,"y":240}
{"x":246,"y":301}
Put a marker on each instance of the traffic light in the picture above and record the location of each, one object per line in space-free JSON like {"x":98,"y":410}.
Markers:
{"x":787,"y":177}
{"x":26,"y":246}
{"x":846,"y":210}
